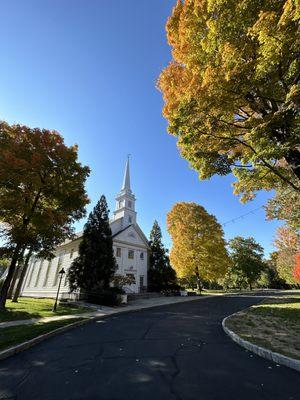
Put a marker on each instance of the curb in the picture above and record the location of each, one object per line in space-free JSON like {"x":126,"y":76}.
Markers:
{"x":26,"y":345}
{"x":11,"y":351}
{"x":261,"y":351}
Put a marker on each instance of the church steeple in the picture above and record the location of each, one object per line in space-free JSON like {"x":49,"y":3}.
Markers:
{"x":126,"y":179}
{"x":125,"y":201}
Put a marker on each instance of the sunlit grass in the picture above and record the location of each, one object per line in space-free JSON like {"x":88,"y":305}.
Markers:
{"x":19,"y":334}
{"x":285,"y":308}
{"x":273,"y":324}
{"x":27,"y":308}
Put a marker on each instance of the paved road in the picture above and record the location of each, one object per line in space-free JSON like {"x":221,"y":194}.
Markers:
{"x":176,"y":352}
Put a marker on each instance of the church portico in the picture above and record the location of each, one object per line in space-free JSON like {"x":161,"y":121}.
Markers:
{"x":129,"y":243}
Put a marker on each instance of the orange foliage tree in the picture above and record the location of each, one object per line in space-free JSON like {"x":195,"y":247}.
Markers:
{"x":41,"y":191}
{"x":232,"y":90}
{"x":297,"y":268}
{"x":287,"y":243}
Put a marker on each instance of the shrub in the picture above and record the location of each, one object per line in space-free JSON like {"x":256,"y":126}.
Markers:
{"x":105,"y":297}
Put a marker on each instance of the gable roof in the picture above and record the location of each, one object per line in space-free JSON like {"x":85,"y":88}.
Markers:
{"x":138,"y":231}
{"x":122,"y":230}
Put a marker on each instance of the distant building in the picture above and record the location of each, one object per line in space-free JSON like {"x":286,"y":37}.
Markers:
{"x":129,"y":243}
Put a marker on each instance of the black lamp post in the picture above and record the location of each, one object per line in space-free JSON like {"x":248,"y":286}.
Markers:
{"x":61,"y":273}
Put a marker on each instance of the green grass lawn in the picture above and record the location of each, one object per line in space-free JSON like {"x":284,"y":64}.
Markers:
{"x":273,"y":324}
{"x":19,"y":334}
{"x":27,"y":308}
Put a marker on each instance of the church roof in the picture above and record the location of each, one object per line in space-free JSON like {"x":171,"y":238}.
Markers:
{"x":122,"y":230}
{"x":138,"y":231}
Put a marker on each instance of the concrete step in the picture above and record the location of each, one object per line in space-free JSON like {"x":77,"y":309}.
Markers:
{"x":137,"y":296}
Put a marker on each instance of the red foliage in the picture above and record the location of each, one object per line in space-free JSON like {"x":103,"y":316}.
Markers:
{"x":297,"y":268}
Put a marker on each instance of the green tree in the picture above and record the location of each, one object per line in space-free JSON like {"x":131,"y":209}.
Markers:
{"x":232,"y":91}
{"x":161,"y":276}
{"x":270,"y":277}
{"x":247,"y":260}
{"x":233,"y":278}
{"x":4,"y":263}
{"x":41,"y":190}
{"x":198,"y":243}
{"x":95,"y":265}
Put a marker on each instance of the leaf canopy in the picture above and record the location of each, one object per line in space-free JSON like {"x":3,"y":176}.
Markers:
{"x":232,"y":90}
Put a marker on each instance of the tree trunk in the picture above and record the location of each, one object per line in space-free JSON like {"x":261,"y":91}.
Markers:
{"x":8,"y":279}
{"x":250,"y":286}
{"x":198,"y":280}
{"x":16,"y":273}
{"x":22,"y":276}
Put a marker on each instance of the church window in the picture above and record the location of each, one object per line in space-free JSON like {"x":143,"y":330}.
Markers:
{"x":118,"y":252}
{"x":66,"y":278}
{"x":142,"y":256}
{"x":120,"y":204}
{"x":130,"y":219}
{"x":141,"y":282}
{"x":131,"y":254}
{"x":129,"y":204}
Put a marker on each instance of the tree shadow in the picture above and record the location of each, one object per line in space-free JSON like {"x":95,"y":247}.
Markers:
{"x":13,"y":315}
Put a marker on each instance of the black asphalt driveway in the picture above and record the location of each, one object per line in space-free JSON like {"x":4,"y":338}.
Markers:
{"x":175,"y":352}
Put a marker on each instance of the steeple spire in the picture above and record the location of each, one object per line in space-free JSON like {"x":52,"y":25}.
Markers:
{"x":126,"y":179}
{"x":125,"y":201}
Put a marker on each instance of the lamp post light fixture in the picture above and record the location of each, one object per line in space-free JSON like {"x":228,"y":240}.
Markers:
{"x":61,"y":273}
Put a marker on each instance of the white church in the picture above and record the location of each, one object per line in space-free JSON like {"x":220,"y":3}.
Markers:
{"x":130,"y":248}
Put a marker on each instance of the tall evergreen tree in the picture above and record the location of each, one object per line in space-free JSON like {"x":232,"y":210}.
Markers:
{"x":95,"y":265}
{"x":161,"y":275}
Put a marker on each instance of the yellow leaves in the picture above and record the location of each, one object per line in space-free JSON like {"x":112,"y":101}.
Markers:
{"x":234,"y":58}
{"x":294,"y":94}
{"x":291,"y":11}
{"x":197,"y":241}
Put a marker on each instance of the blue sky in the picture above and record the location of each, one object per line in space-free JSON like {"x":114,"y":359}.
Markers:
{"x":87,"y":68}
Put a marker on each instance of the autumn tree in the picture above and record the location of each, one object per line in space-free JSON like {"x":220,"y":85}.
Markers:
{"x":285,"y":205}
{"x":198,"y":244}
{"x":42,"y":244}
{"x":287,"y":242}
{"x":95,"y":265}
{"x":161,"y":276}
{"x":296,"y":270}
{"x":270,"y":277}
{"x":232,"y":90}
{"x":247,"y":260}
{"x":41,"y":190}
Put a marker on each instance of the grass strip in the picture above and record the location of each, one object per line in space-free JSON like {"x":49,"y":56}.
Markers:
{"x":273,"y":324}
{"x":28,"y":308}
{"x":19,"y":334}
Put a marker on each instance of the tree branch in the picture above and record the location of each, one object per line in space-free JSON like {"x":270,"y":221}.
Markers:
{"x":268,"y":165}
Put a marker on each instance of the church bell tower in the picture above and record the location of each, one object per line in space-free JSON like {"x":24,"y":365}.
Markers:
{"x":125,"y":201}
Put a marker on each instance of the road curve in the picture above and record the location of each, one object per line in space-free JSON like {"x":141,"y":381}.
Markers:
{"x":171,"y":352}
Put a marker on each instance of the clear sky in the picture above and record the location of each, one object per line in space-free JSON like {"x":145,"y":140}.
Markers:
{"x":87,"y":68}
